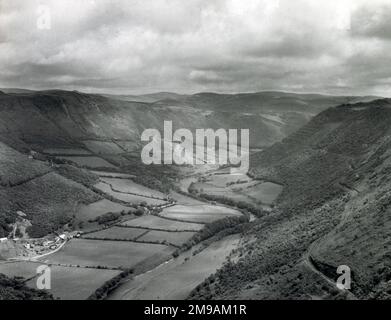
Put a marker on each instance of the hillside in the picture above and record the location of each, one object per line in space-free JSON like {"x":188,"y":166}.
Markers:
{"x":53,"y":118}
{"x":334,"y":210}
{"x":33,"y":124}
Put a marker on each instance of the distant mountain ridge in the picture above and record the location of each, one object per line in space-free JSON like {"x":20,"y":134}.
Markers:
{"x":72,"y":115}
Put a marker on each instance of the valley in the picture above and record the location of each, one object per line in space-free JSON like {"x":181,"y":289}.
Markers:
{"x":76,"y":197}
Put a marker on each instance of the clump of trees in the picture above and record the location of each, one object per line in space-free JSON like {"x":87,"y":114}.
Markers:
{"x":229,"y":225}
{"x":258,"y":212}
{"x":103,"y":291}
{"x":15,"y":289}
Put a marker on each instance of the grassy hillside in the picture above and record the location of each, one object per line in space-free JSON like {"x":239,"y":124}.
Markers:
{"x":334,"y":210}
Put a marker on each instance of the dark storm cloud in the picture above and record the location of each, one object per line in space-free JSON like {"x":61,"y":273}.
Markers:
{"x":195,"y":45}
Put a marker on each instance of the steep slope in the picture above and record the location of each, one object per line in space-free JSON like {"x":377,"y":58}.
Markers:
{"x":334,"y":210}
{"x":54,"y":118}
{"x":47,"y":198}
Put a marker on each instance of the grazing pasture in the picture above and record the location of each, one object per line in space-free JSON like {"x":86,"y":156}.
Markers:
{"x":71,"y":283}
{"x":112,"y":174}
{"x":23,"y":269}
{"x":102,"y":147}
{"x":178,"y":277}
{"x":63,"y":151}
{"x":96,"y":209}
{"x":110,"y":254}
{"x":198,"y":213}
{"x":175,"y":238}
{"x":130,"y":198}
{"x":154,"y":222}
{"x":117,"y":233}
{"x":126,"y":185}
{"x":129,"y":146}
{"x":89,"y":162}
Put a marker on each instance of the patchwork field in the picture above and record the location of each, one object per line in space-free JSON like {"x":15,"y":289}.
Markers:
{"x":111,"y":254}
{"x":89,"y":162}
{"x":129,"y":146}
{"x":239,"y":188}
{"x":198,"y":213}
{"x":112,"y":174}
{"x":221,"y":180}
{"x":96,"y":209}
{"x":69,"y":283}
{"x":23,"y":269}
{"x":54,"y":151}
{"x":127,"y":197}
{"x":117,"y":233}
{"x":185,"y":200}
{"x":178,"y":277}
{"x":126,"y":185}
{"x":102,"y":147}
{"x":175,"y":238}
{"x":162,"y":224}
{"x":66,"y":282}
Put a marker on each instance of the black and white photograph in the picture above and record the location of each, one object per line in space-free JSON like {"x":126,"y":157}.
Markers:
{"x":205,"y":151}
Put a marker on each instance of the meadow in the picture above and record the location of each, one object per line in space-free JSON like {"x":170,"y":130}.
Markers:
{"x":71,"y":283}
{"x":94,"y":210}
{"x":175,"y":238}
{"x":66,"y":151}
{"x":127,"y":185}
{"x":106,"y":254}
{"x":130,"y":198}
{"x":198,"y":213}
{"x":117,"y":233}
{"x":88,"y":162}
{"x":154,"y":222}
{"x":102,"y":147}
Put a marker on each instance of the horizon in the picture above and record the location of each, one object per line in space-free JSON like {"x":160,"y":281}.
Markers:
{"x":215,"y":46}
{"x":191,"y":94}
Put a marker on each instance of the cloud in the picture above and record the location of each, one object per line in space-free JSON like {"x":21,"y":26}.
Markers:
{"x":135,"y":46}
{"x":372,"y":22}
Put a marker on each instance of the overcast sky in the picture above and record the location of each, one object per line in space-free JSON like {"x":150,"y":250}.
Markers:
{"x":187,"y":46}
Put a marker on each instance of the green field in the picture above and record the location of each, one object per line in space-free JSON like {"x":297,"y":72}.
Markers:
{"x":112,"y":174}
{"x":178,"y":277}
{"x":129,"y":146}
{"x":199,"y":213}
{"x":96,"y":209}
{"x":89,"y":162}
{"x":54,"y":151}
{"x":23,"y":269}
{"x":117,"y":233}
{"x":239,"y":188}
{"x":130,"y":198}
{"x":154,"y":222}
{"x":111,"y":254}
{"x":69,"y":283}
{"x":126,"y":185}
{"x":102,"y":147}
{"x":175,"y":238}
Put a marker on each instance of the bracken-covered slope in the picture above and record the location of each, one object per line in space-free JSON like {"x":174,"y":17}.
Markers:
{"x":335,"y":210}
